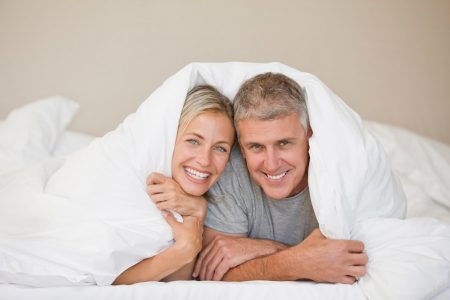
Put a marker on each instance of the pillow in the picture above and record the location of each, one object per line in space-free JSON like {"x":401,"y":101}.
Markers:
{"x":423,"y":165}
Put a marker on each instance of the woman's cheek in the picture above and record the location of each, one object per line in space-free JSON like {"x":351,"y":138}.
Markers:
{"x":221,"y":164}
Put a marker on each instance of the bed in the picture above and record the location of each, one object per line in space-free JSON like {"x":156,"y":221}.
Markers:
{"x":422,"y":164}
{"x":398,"y":143}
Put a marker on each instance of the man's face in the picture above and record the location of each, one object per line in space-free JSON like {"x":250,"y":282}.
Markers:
{"x":276,"y":152}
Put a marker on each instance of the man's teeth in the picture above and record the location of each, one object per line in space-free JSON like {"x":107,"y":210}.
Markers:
{"x":196,"y":174}
{"x":276,"y":177}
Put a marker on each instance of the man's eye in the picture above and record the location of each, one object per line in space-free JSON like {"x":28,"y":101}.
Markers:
{"x":193,"y":141}
{"x":255,"y":147}
{"x":284,"y":143}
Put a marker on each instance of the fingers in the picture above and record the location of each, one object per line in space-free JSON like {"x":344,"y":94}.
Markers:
{"x":197,"y":267}
{"x":216,"y":262}
{"x":208,"y":260}
{"x":157,"y":198}
{"x":156,"y":178}
{"x":355,"y":246}
{"x":357,"y":271}
{"x":359,"y":259}
{"x":200,"y":265}
{"x":211,"y":262}
{"x":221,"y":269}
{"x":170,"y":219}
{"x":166,"y":205}
{"x":348,"y":280}
{"x":153,"y":189}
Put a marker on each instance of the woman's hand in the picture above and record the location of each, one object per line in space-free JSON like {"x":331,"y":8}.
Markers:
{"x":187,"y":235}
{"x":166,"y":193}
{"x":188,"y":242}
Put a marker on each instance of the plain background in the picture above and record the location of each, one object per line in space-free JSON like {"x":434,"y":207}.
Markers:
{"x":389,"y":59}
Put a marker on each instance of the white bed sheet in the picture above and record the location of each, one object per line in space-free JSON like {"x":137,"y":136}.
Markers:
{"x":424,"y":203}
{"x":191,"y":290}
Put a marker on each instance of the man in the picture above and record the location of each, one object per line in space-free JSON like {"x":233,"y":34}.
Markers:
{"x":260,"y":223}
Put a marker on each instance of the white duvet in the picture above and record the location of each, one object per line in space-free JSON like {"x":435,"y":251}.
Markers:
{"x":84,"y":219}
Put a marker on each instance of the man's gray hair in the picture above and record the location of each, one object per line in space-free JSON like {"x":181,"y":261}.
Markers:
{"x":270,"y":96}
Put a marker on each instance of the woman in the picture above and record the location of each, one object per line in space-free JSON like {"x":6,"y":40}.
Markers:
{"x":204,"y":140}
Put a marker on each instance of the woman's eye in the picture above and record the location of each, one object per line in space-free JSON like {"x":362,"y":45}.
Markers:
{"x":193,"y":141}
{"x":221,"y":149}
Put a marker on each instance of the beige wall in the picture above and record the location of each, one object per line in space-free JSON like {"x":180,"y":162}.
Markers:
{"x":389,"y":60}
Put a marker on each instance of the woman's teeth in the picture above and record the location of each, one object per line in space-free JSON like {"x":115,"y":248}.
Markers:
{"x":196,"y":174}
{"x":276,"y":177}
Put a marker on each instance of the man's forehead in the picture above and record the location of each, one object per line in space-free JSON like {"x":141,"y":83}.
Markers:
{"x":257,"y":131}
{"x":291,"y":120}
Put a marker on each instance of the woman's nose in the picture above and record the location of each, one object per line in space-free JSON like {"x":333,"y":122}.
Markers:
{"x":204,"y":157}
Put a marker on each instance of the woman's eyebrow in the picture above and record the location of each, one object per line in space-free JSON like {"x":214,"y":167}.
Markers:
{"x":195,"y":134}
{"x":223,"y":142}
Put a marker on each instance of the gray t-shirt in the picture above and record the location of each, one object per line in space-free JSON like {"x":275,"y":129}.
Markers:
{"x":238,"y":205}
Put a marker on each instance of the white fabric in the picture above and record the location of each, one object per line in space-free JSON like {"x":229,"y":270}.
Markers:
{"x":195,"y":290}
{"x":101,"y":220}
{"x":70,"y":142}
{"x":29,"y":133}
{"x":408,"y":259}
{"x":423,"y":166}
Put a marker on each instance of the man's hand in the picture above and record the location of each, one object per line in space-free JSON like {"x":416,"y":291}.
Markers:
{"x":316,"y":258}
{"x":326,"y":260}
{"x":224,"y":252}
{"x":166,"y":193}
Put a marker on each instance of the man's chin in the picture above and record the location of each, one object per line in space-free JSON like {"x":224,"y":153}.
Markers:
{"x":276,"y":195}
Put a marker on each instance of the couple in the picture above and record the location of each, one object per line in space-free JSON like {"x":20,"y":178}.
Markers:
{"x":258,"y":223}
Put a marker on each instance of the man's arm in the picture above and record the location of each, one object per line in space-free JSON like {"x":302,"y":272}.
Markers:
{"x":316,"y":258}
{"x":223,"y":251}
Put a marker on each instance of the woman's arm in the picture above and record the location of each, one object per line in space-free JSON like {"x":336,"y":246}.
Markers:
{"x":185,"y":273}
{"x":171,"y":264}
{"x":188,"y":239}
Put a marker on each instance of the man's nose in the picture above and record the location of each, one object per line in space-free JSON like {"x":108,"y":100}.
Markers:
{"x":272,"y":161}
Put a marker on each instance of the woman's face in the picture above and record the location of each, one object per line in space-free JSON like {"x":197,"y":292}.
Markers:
{"x":201,"y":152}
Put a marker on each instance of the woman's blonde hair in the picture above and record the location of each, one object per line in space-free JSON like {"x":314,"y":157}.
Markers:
{"x":201,"y":99}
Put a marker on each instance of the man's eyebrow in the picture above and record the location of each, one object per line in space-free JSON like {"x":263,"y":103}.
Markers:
{"x":288,"y":139}
{"x":251,"y":144}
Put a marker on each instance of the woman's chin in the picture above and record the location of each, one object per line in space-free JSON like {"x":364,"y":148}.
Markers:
{"x":194,"y":189}
{"x":196,"y":192}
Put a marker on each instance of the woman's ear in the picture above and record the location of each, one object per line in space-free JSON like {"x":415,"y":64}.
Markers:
{"x":242,"y":151}
{"x":309,"y":133}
